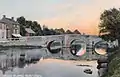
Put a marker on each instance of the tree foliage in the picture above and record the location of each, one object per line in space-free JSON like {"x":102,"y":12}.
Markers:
{"x":60,"y":31}
{"x":69,"y":32}
{"x":29,"y":24}
{"x":110,"y":24}
{"x":76,"y":32}
{"x":36,"y":27}
{"x":22,"y":22}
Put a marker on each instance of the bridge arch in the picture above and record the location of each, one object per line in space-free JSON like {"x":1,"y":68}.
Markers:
{"x":100,"y":47}
{"x":77,"y":47}
{"x":54,"y":46}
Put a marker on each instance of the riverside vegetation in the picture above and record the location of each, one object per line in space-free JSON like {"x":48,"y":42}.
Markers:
{"x":114,"y":64}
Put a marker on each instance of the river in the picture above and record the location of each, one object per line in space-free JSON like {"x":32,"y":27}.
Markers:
{"x":34,"y":64}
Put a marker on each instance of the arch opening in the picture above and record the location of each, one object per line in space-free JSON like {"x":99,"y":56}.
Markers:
{"x":101,"y":48}
{"x":54,"y":47}
{"x":77,"y":47}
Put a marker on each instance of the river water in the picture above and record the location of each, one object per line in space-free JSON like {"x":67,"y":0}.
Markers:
{"x":32,"y":63}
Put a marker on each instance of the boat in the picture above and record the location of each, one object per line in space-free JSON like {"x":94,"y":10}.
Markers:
{"x":88,"y":71}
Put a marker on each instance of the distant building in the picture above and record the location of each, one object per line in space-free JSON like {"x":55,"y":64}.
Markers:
{"x":9,"y":28}
{"x":29,"y":32}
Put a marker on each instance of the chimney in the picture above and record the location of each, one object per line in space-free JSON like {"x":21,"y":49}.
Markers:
{"x":4,"y":16}
{"x":12,"y":18}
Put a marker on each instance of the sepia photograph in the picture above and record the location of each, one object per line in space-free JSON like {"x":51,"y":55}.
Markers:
{"x":59,"y":38}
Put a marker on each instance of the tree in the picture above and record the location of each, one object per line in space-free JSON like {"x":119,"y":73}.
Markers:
{"x":76,"y":32}
{"x":46,"y":31}
{"x":68,"y":32}
{"x":29,"y":24}
{"x":53,"y":32}
{"x":22,"y":22}
{"x":110,"y":24}
{"x":36,"y":28}
{"x":60,"y":31}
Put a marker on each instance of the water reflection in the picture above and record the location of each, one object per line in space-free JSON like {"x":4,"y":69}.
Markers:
{"x":28,"y":61}
{"x":13,"y":59}
{"x":101,"y":47}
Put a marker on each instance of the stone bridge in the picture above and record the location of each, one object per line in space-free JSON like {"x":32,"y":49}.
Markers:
{"x":68,"y":38}
{"x":66,"y":41}
{"x":63,"y":45}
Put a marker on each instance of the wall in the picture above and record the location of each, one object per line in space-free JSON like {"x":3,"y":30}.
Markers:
{"x":2,"y":31}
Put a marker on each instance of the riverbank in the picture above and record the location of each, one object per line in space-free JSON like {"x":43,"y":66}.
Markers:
{"x":114,"y":65}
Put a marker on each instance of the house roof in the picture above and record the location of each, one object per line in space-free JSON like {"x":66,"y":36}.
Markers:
{"x":17,"y":35}
{"x":8,"y":21}
{"x":29,"y":30}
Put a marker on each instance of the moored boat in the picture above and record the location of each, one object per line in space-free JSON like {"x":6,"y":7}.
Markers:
{"x":88,"y":71}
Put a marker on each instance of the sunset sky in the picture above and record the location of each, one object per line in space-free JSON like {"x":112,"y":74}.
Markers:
{"x":68,"y":14}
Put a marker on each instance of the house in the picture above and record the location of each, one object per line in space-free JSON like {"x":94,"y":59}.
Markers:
{"x":9,"y":28}
{"x":2,"y":30}
{"x":29,"y":32}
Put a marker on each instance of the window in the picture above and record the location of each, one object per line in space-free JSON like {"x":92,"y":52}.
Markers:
{"x":7,"y":33}
{"x":4,"y":26}
{"x":7,"y":27}
{"x":2,"y":34}
{"x":16,"y":31}
{"x":0,"y":26}
{"x":15,"y":26}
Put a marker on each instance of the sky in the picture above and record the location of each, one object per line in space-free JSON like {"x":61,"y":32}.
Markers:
{"x":68,"y":14}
